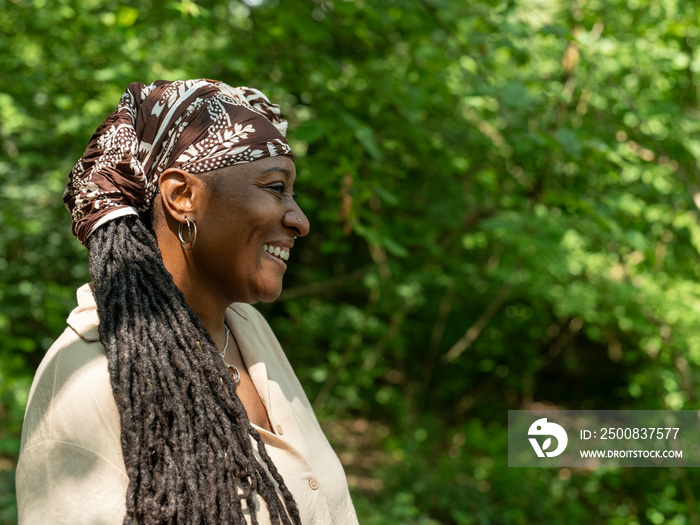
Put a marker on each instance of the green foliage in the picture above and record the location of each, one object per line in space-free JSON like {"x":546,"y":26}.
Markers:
{"x":501,"y":198}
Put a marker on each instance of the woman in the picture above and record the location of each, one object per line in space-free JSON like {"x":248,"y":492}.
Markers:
{"x":168,"y":399}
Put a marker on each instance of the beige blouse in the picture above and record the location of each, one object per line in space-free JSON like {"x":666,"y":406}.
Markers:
{"x":71,"y":468}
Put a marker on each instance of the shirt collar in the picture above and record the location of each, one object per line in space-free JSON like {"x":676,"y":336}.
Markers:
{"x":83,"y":319}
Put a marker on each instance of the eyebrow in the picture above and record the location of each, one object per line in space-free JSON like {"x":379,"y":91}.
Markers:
{"x":286,"y":172}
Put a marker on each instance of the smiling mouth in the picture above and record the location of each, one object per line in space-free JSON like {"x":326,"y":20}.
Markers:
{"x":276,"y":251}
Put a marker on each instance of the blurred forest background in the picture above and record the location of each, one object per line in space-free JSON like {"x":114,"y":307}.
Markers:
{"x":504,"y":205}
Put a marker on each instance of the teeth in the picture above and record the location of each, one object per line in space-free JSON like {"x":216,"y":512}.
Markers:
{"x":277,"y":251}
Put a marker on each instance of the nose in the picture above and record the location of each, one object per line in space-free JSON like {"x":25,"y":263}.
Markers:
{"x":295,"y":220}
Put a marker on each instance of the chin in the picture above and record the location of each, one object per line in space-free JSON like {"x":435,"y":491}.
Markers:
{"x":269,"y":294}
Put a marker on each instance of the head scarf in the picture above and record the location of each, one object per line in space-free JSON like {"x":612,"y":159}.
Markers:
{"x":196,"y":125}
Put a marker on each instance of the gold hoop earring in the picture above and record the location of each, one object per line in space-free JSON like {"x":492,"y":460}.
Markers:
{"x":191,"y":234}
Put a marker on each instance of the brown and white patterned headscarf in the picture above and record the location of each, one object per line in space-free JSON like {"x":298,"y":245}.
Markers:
{"x":196,"y":125}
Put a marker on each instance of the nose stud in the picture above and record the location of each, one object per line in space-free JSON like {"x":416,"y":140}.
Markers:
{"x":298,"y":219}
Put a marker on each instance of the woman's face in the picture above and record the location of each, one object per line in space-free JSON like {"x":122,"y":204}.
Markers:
{"x":247,"y":211}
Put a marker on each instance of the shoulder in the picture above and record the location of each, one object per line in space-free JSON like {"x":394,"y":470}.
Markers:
{"x":71,"y":447}
{"x":71,"y":397}
{"x":71,"y":406}
{"x":71,"y":389}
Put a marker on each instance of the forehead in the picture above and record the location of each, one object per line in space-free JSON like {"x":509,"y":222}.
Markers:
{"x":263,"y":169}
{"x":280,"y":165}
{"x":268,"y":166}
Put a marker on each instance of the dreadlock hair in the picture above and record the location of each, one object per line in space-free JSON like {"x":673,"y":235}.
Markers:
{"x":185,"y":435}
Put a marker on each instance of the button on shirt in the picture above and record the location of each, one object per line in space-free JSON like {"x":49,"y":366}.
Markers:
{"x":71,"y":468}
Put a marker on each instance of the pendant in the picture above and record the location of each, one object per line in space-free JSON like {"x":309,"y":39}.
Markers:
{"x":236,"y":373}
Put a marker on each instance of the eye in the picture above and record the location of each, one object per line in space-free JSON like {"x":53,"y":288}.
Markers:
{"x":277,"y":187}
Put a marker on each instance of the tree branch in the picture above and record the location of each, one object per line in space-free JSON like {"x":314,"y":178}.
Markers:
{"x":475,"y":330}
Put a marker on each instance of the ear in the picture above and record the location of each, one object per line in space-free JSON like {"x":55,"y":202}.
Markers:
{"x":181,"y":193}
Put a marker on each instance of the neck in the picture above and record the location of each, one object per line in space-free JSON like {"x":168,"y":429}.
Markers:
{"x":210,"y":310}
{"x":212,"y":316}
